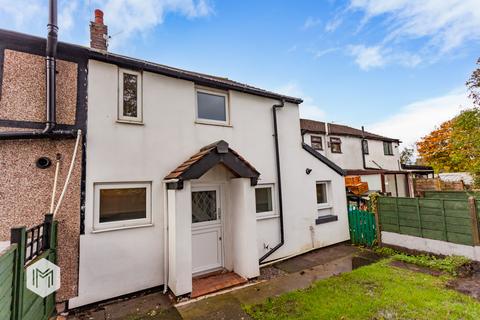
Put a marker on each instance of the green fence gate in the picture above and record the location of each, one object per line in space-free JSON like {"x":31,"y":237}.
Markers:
{"x":362,"y":227}
{"x":27,"y":246}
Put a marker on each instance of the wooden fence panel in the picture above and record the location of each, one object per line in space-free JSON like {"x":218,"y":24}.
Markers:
{"x":16,"y":301}
{"x":434,"y":218}
{"x":7,"y":281}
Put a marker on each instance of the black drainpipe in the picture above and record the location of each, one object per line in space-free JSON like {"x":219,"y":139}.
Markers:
{"x":50,"y":66}
{"x":363,"y":153}
{"x":279,"y":181}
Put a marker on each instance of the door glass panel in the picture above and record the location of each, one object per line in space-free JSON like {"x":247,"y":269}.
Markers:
{"x":204,"y":206}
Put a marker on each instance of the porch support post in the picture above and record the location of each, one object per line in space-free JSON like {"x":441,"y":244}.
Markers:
{"x":245,"y":254}
{"x":180,"y":240}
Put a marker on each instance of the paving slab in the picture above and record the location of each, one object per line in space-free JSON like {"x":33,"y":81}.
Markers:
{"x":332,"y":262}
{"x":293,"y":274}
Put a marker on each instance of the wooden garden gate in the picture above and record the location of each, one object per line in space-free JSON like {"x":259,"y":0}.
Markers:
{"x":27,"y":246}
{"x":362,"y":227}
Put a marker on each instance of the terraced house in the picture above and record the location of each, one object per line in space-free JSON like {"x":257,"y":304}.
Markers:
{"x":375,"y":158}
{"x":177,"y":173}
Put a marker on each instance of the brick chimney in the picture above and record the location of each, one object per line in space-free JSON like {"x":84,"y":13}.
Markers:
{"x":98,"y":32}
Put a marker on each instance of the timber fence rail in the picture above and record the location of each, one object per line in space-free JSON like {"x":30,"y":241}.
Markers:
{"x":453,"y":219}
{"x":27,"y":246}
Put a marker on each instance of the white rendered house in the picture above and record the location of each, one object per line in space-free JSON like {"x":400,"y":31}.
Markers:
{"x":375,"y":158}
{"x":188,"y":173}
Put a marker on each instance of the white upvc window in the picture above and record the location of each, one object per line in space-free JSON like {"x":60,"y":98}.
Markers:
{"x":122,"y":205}
{"x":130,"y":102}
{"x":323,"y":195}
{"x":212,"y":107}
{"x":265,"y":200}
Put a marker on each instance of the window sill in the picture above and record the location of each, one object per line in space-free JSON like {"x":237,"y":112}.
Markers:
{"x":138,"y":123}
{"x":324,"y":207}
{"x":213,"y":123}
{"x":122,"y":228}
{"x":326,"y":219}
{"x":266,"y":217}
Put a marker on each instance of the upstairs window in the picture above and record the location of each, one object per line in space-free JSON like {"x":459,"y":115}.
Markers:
{"x":387,"y":148}
{"x":316,"y":142}
{"x":212,"y":107}
{"x":130,"y":96}
{"x":336,"y":145}
{"x":365,"y":146}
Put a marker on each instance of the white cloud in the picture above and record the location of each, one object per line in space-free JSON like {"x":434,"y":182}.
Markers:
{"x":20,"y":12}
{"x":448,"y":24}
{"x":308,"y":109}
{"x":367,"y":57}
{"x":310,"y":23}
{"x":126,"y":17}
{"x":321,"y":53}
{"x":333,"y":24}
{"x":377,"y":56}
{"x":419,"y":118}
{"x":133,"y":17}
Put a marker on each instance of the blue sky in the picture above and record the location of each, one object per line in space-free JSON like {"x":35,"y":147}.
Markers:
{"x":396,"y":66}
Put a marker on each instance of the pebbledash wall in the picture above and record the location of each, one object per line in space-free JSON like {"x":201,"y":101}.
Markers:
{"x":25,"y":190}
{"x":117,"y":262}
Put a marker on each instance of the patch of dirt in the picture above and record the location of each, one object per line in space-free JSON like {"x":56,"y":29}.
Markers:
{"x":469,"y":286}
{"x":468,"y":281}
{"x":415,"y":268}
{"x":270,"y":272}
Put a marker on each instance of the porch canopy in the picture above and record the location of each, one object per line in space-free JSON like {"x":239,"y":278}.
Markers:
{"x":209,"y":156}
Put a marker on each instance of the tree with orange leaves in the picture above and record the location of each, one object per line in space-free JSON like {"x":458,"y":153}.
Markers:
{"x":435,"y":149}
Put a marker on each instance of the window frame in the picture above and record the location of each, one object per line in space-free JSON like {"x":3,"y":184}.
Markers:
{"x":224,"y":94}
{"x":266,"y":214}
{"x":337,"y":141}
{"x":365,"y":148}
{"x":312,"y":142}
{"x":123,"y":224}
{"x":328,"y":204}
{"x":390,"y":148}
{"x":120,"y":117}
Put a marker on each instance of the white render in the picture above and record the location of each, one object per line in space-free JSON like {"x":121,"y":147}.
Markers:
{"x":351,"y":159}
{"x":351,"y":156}
{"x":118,"y":262}
{"x":431,"y":245}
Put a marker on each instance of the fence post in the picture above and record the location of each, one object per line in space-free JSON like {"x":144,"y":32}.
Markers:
{"x":419,"y":216}
{"x":18,"y":236}
{"x":473,"y":215}
{"x":47,"y":231}
{"x":377,"y":222}
{"x":445,"y":231}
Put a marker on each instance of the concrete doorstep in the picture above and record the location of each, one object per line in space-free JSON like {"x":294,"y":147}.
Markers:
{"x":292,"y":274}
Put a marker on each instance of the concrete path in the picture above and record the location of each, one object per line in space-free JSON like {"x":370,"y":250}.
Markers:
{"x":296,"y":273}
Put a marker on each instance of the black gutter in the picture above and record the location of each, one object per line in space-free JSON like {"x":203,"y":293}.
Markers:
{"x":279,"y":182}
{"x":50,"y":68}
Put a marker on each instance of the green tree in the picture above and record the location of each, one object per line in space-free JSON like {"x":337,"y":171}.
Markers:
{"x":465,"y":141}
{"x":455,"y":145}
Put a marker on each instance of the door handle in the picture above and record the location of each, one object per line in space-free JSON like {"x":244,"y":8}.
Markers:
{"x":220,"y":238}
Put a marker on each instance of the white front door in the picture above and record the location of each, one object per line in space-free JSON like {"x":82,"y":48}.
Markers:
{"x":207,"y":231}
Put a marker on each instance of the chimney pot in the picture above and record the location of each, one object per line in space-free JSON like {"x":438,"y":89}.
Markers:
{"x":98,"y":16}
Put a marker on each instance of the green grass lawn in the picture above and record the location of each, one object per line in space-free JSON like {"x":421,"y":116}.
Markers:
{"x":377,"y":291}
